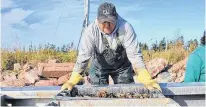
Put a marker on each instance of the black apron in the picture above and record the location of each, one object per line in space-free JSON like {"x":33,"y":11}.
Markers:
{"x":111,"y":62}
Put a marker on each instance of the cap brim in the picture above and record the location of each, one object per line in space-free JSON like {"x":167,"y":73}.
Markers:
{"x":103,"y":19}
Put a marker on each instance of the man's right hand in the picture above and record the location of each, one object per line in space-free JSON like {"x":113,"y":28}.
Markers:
{"x":66,"y":86}
{"x":74,"y":79}
{"x":68,"y":93}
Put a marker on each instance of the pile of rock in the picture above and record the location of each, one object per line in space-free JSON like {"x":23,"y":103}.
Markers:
{"x":46,"y":74}
{"x":162,"y":72}
{"x":178,"y":71}
{"x":54,"y":74}
{"x":21,"y":76}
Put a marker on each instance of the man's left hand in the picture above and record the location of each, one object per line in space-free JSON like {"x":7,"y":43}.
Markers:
{"x":145,"y":78}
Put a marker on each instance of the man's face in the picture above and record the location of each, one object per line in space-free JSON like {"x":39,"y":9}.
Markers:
{"x":106,"y":27}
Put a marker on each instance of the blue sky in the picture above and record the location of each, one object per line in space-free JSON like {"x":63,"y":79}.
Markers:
{"x":36,"y":21}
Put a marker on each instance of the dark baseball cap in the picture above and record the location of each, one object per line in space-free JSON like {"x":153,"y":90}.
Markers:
{"x":107,"y":13}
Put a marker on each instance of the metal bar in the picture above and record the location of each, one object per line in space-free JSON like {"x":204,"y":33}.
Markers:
{"x":186,"y":94}
{"x":162,"y":85}
{"x":167,"y":88}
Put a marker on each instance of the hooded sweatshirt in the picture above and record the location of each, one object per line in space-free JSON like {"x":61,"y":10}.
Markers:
{"x":92,"y":38}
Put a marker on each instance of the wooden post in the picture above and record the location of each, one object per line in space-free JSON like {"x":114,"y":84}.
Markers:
{"x":86,"y":12}
{"x":86,"y":19}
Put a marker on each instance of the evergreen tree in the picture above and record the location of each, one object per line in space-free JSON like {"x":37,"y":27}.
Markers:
{"x":193,"y":45}
{"x":180,"y":41}
{"x":162,"y":44}
{"x":144,"y":47}
{"x":155,"y":46}
{"x":58,"y":49}
{"x":30,"y":47}
{"x":195,"y":42}
{"x":52,"y":47}
{"x":64,"y":48}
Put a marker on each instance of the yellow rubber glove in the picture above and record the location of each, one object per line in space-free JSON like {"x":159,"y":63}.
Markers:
{"x":145,"y":78}
{"x":74,"y":79}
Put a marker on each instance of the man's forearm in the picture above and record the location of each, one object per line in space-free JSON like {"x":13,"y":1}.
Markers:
{"x":81,"y":64}
{"x":137,"y":62}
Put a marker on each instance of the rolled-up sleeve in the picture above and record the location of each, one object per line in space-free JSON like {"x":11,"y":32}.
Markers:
{"x":132,"y":49}
{"x":85,"y":51}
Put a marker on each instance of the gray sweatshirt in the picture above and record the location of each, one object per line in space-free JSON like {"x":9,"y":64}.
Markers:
{"x":91,"y":38}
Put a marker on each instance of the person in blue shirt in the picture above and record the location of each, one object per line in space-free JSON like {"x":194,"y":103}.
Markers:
{"x":195,"y":68}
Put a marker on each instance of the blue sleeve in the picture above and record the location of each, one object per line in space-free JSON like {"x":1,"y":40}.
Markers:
{"x":193,"y":66}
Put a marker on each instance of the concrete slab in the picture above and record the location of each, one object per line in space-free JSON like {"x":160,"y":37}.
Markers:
{"x":121,"y":102}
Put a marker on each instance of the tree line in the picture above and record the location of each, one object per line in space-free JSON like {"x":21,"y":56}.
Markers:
{"x":164,"y":44}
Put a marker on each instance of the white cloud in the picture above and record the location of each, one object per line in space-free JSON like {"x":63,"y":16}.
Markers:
{"x":24,"y":24}
{"x":49,"y":25}
{"x":15,"y":16}
{"x":6,"y":4}
{"x":35,"y":25}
